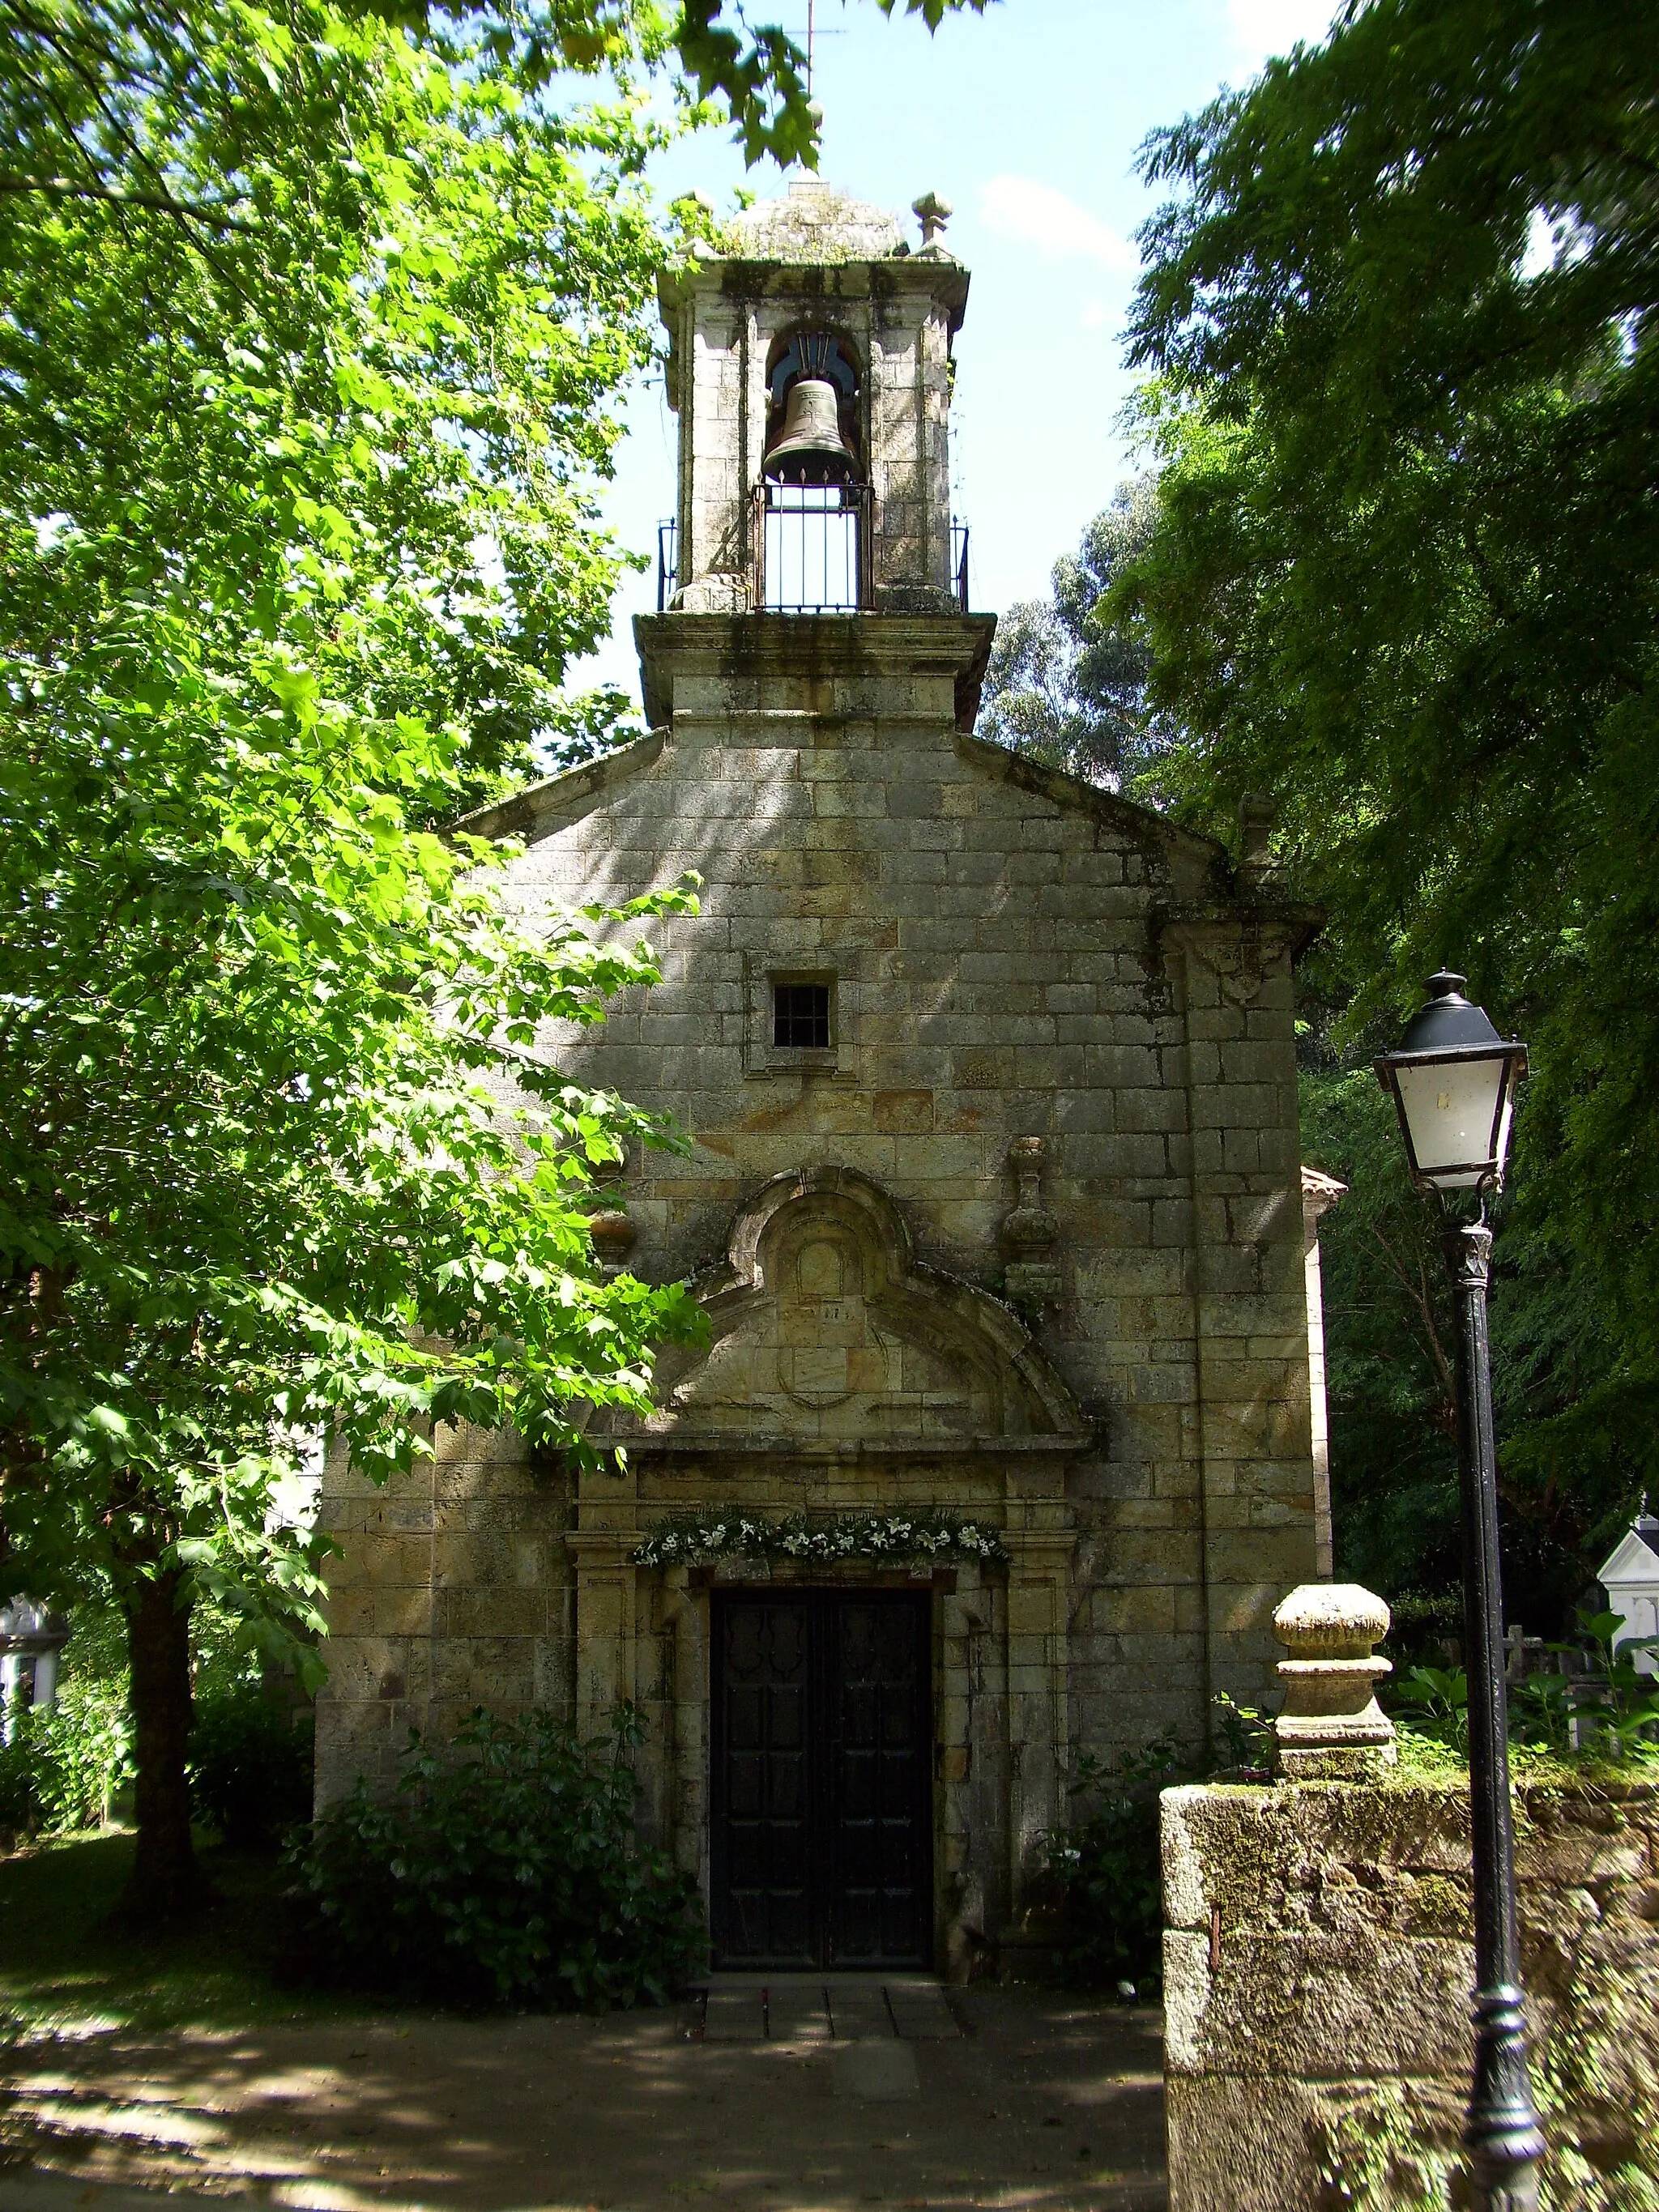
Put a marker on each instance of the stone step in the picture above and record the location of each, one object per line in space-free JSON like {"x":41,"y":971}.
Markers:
{"x":859,"y":2014}
{"x":921,"y":2012}
{"x":799,"y":2008}
{"x":735,"y":2016}
{"x":797,"y":2013}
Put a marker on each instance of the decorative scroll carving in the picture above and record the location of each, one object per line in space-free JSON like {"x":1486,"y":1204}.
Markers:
{"x":828,"y":1331}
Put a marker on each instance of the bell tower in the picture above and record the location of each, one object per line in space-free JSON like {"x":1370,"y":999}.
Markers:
{"x":809,"y":367}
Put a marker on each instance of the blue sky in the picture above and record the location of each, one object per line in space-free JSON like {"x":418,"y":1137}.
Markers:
{"x":1026,"y":119}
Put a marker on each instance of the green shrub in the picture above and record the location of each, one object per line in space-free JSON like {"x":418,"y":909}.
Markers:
{"x":20,"y":1782}
{"x":80,"y":1751}
{"x":1246,"y":1735}
{"x":1433,"y":1703}
{"x":1622,"y":1703}
{"x":1619,"y":1703}
{"x":511,"y":1875}
{"x":1107,"y":1863}
{"x":250,"y":1764}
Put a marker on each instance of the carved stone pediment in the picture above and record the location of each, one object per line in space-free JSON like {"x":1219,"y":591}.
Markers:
{"x":828,"y":1334}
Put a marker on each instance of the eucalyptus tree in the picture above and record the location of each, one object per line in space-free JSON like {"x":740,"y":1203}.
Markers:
{"x":1067,"y":681}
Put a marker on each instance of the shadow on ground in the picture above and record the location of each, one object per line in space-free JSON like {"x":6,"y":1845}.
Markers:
{"x":201,"y":2063}
{"x":1045,"y":2103}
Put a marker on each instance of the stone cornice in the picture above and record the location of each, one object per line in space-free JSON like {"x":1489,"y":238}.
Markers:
{"x":642,"y":1443}
{"x":746,"y":276}
{"x":1274,"y":926}
{"x":759,"y":647}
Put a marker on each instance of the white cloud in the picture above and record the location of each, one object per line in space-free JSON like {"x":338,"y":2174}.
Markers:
{"x":1096,"y":315}
{"x":1033,"y":214}
{"x":1262,"y":27}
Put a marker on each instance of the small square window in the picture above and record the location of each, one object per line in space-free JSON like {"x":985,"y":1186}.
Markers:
{"x":800,"y":1016}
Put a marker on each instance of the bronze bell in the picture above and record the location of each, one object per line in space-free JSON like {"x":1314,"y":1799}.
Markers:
{"x":809,"y":448}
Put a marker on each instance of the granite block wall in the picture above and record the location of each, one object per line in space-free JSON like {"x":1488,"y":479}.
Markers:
{"x":1013,"y":955}
{"x":1318,"y":1966}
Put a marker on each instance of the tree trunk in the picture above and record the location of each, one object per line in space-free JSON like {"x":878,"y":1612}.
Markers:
{"x":165,"y":1883}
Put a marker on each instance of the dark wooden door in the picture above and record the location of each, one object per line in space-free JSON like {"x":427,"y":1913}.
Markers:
{"x":822,"y":1844}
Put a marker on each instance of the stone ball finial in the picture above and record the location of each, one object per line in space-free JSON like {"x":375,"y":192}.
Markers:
{"x":1331,"y":1620}
{"x":1331,"y":1727}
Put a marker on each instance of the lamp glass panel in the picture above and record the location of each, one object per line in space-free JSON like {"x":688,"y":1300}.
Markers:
{"x":1451,"y":1108}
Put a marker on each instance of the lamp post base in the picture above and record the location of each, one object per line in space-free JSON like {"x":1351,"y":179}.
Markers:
{"x":1503,"y":2138}
{"x":1512,"y":2191}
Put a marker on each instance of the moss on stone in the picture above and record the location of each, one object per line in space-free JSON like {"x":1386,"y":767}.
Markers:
{"x":1324,"y":2053}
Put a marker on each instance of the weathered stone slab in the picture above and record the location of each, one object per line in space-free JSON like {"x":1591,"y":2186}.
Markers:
{"x":797,"y":2012}
{"x":920,"y":2012}
{"x":735,"y":2016}
{"x":1318,"y":1965}
{"x":858,"y":2011}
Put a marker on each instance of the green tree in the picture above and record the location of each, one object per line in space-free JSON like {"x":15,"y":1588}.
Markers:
{"x":308,"y":323}
{"x":316,"y":322}
{"x":1400,"y":316}
{"x":1066,"y":682}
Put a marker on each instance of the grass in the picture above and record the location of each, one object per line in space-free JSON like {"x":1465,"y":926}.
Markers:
{"x":62,"y":1961}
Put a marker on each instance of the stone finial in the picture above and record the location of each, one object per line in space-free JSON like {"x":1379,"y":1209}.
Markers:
{"x":933,"y":214}
{"x":1257,"y":867}
{"x":1331,"y":1727}
{"x":1030,"y":1231}
{"x":1319,"y":1194}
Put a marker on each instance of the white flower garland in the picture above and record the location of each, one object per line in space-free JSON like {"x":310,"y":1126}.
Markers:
{"x":693,"y":1539}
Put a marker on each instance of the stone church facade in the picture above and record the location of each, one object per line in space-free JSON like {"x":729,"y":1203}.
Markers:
{"x":993,"y":1204}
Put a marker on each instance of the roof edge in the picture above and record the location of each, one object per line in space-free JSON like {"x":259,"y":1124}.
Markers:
{"x":1145,"y":822}
{"x":519,"y":814}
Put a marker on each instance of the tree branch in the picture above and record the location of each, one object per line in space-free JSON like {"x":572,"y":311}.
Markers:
{"x":1418,"y":1292}
{"x":159,"y":203}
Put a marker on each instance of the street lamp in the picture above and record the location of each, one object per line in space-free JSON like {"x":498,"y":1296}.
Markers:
{"x":1453,"y":1081}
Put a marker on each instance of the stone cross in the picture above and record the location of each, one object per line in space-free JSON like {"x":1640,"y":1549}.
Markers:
{"x":933,"y":214}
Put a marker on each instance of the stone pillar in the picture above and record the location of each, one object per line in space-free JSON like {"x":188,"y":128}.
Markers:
{"x":1331,"y":1727}
{"x":1040,"y":1545}
{"x":684,"y":1614}
{"x":603,"y":1544}
{"x":971,"y":1894}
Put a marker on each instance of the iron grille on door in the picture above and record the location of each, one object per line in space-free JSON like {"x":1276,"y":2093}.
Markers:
{"x":823,"y":1832}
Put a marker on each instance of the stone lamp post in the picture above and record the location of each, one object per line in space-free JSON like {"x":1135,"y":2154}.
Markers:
{"x":1452,"y":1080}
